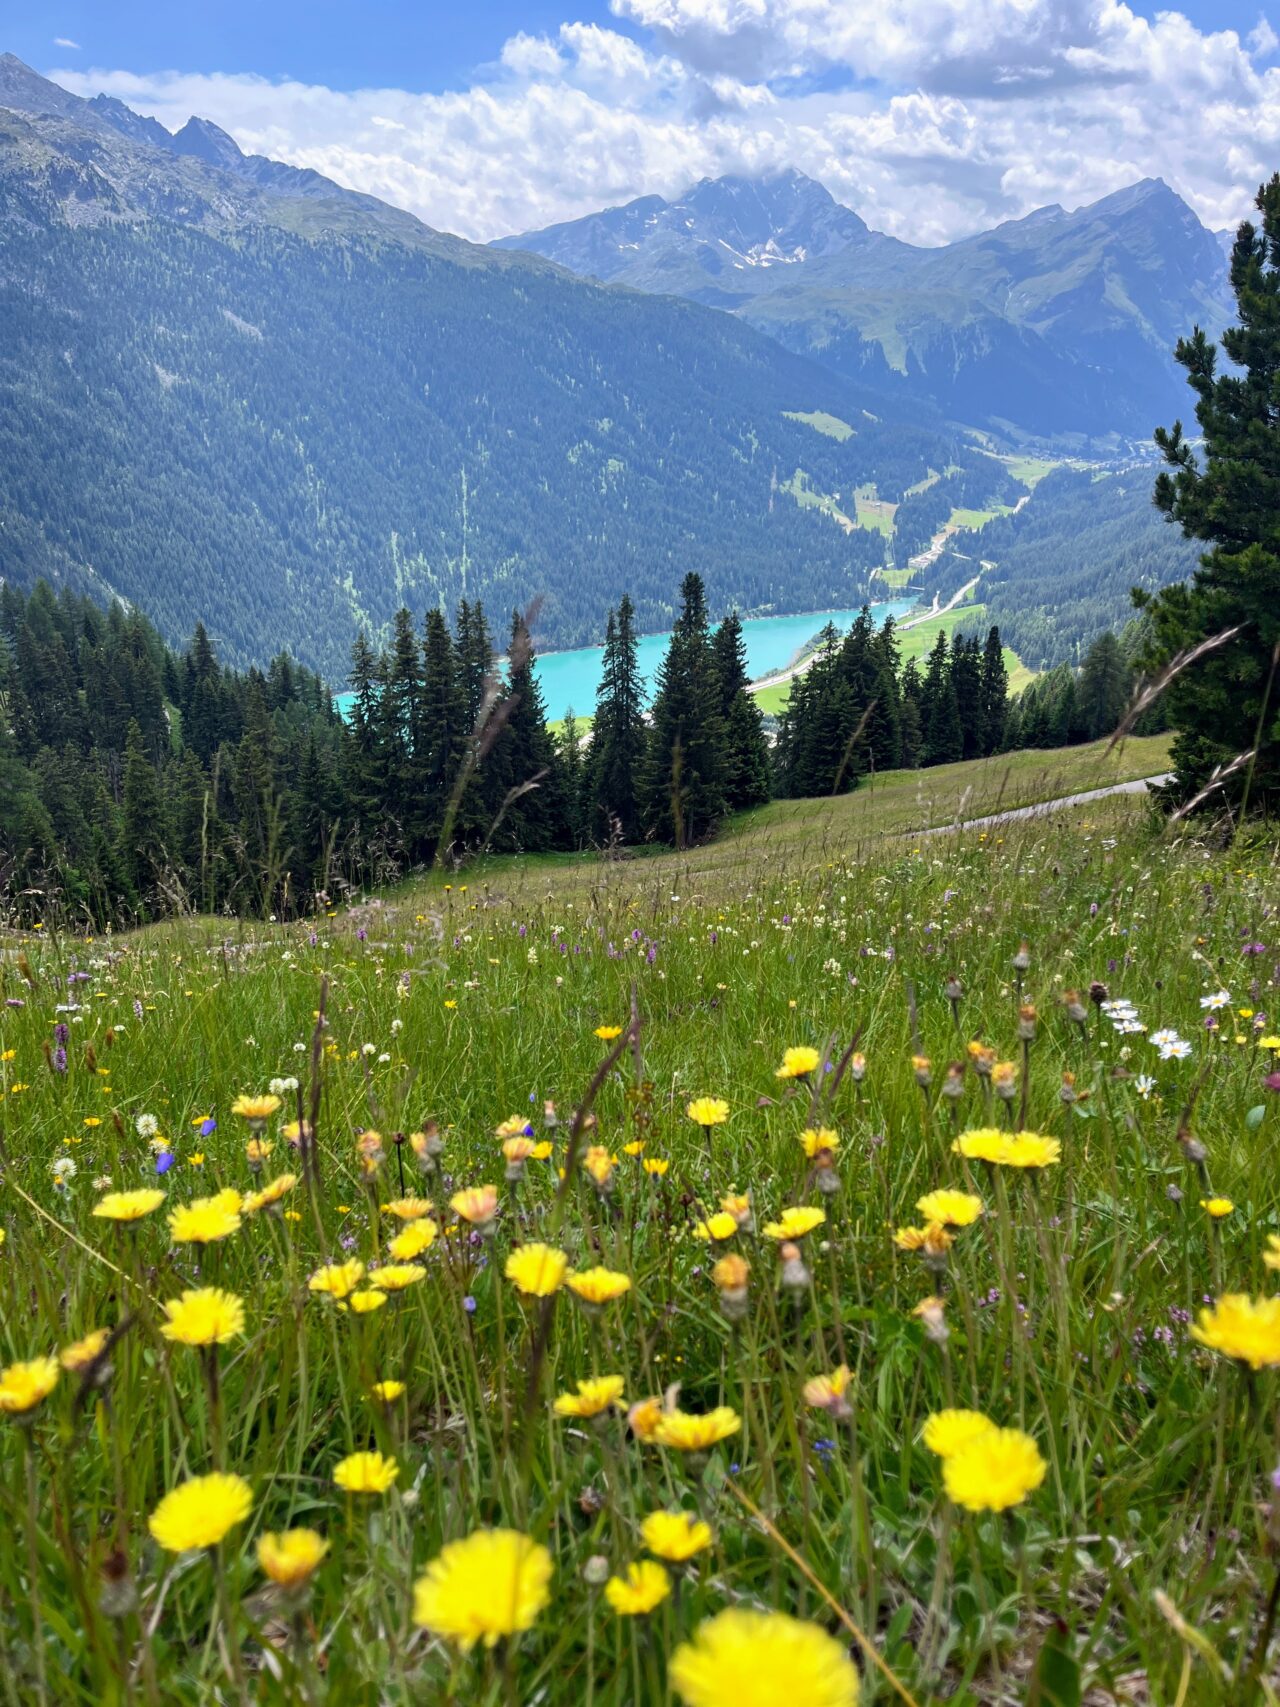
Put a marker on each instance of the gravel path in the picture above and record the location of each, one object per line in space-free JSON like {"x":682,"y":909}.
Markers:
{"x":1140,"y":785}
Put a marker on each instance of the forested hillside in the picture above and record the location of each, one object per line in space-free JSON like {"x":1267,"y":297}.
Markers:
{"x":285,"y":416}
{"x":1062,"y":568}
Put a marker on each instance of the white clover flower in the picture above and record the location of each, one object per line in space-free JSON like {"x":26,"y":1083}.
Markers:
{"x":146,"y":1126}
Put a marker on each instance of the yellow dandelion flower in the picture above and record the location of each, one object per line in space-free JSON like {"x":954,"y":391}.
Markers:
{"x":396,"y":1276}
{"x":827,"y":1392}
{"x":478,"y":1204}
{"x":1030,"y":1150}
{"x":795,"y":1222}
{"x":490,"y":1586}
{"x":708,"y":1111}
{"x":687,"y":1433}
{"x":946,"y":1432}
{"x":996,"y":1470}
{"x":387,"y":1392}
{"x":200,"y":1512}
{"x":337,"y":1279}
{"x":731,"y":1272}
{"x":24,"y":1385}
{"x":716,"y":1227}
{"x":205,"y":1220}
{"x":417,"y":1237}
{"x":655,"y":1165}
{"x":204,"y":1316}
{"x":272,"y":1193}
{"x":950,"y":1208}
{"x":675,"y":1535}
{"x":1217,"y":1207}
{"x":607,"y":1033}
{"x":821,"y":1141}
{"x":84,"y":1353}
{"x":536,"y":1270}
{"x":984,"y":1144}
{"x":595,"y":1395}
{"x":128,"y":1205}
{"x":741,"y":1658}
{"x":255,"y":1108}
{"x":598,"y":1286}
{"x":1242,"y":1328}
{"x":291,"y":1557}
{"x":645,"y":1586}
{"x":796,"y":1063}
{"x":365,"y":1302}
{"x":409,"y":1208}
{"x":365,"y":1473}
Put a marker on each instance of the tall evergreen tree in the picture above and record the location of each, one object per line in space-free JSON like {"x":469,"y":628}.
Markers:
{"x":1104,"y":686}
{"x":943,"y":737}
{"x":1226,"y":705}
{"x":142,"y":847}
{"x":746,"y":752}
{"x":682,"y":781}
{"x":993,"y":692}
{"x":442,"y":734}
{"x":617,"y":734}
{"x":534,"y":809}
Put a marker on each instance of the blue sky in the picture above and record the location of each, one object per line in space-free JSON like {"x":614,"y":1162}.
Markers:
{"x":932,"y":118}
{"x":417,"y":44}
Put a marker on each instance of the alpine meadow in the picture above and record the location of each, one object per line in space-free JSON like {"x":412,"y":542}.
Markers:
{"x":639,"y":879}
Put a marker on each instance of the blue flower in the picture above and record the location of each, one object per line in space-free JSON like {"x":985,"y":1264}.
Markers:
{"x":164,"y":1161}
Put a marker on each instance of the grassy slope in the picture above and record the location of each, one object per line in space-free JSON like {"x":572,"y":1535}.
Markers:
{"x":1068,"y":1302}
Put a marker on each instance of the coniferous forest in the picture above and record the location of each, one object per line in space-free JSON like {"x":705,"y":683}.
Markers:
{"x":138,"y":782}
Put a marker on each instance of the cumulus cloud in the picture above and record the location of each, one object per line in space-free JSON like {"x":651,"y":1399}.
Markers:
{"x":932,"y":118}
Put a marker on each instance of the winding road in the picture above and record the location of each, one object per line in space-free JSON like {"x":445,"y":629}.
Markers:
{"x":1139,"y":785}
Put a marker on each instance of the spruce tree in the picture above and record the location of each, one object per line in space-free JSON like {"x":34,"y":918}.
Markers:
{"x":617,"y":734}
{"x":682,"y":781}
{"x":1226,"y":704}
{"x":1104,"y":686}
{"x":534,"y":811}
{"x":441,"y":736}
{"x":943,"y":737}
{"x":142,"y":850}
{"x":746,"y":752}
{"x":993,"y":692}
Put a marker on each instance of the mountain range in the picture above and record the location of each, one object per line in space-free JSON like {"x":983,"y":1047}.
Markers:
{"x":234,"y":391}
{"x":1058,"y":327}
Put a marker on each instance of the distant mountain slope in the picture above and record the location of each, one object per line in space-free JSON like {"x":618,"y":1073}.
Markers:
{"x":1058,"y":326}
{"x":251,"y":397}
{"x":1064,"y":564}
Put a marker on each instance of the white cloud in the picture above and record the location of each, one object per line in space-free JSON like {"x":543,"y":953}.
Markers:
{"x":1262,"y":39}
{"x":946,"y":116}
{"x":65,"y":41}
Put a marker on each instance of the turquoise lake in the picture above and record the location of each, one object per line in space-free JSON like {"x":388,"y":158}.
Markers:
{"x":569,"y":679}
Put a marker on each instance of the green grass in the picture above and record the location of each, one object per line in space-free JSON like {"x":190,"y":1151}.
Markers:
{"x":476,"y":998}
{"x":873,"y":512}
{"x":1030,"y":470}
{"x":978,"y":518}
{"x":831,"y":426}
{"x":896,"y":577}
{"x":801,"y":489}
